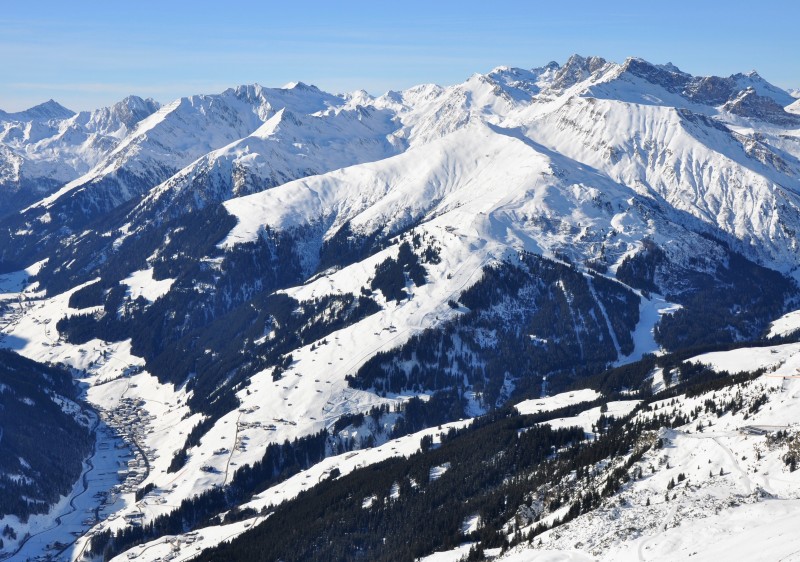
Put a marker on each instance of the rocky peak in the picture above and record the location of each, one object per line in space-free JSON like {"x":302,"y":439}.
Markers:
{"x":576,"y":69}
{"x":752,"y":105}
{"x":666,"y":76}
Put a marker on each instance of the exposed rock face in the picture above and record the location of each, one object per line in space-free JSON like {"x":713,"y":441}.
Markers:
{"x":749,"y":104}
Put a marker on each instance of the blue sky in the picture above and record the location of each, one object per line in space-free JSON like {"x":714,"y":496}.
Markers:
{"x":87,"y":54}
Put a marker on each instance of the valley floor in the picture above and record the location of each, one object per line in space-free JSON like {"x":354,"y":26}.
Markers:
{"x":57,"y":533}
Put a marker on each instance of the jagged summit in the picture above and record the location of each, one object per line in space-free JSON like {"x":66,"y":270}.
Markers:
{"x":523,"y":84}
{"x":668,"y":77}
{"x":670,"y":67}
{"x":124,"y":115}
{"x":576,"y":69}
{"x":641,"y":80}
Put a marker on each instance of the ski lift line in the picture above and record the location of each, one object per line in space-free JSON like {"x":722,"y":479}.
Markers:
{"x":610,"y":328}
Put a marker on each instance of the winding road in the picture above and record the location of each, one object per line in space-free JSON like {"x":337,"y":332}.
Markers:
{"x":233,"y":448}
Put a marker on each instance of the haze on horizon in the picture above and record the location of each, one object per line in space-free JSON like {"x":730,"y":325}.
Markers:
{"x":91,"y":54}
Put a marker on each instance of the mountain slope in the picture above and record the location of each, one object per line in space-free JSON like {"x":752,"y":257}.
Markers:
{"x":687,"y":161}
{"x":709,"y":450}
{"x":285,"y":147}
{"x":44,"y":438}
{"x":160,"y":146}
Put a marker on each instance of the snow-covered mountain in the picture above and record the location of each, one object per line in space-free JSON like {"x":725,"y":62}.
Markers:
{"x":285,"y":147}
{"x":47,"y":146}
{"x":234,"y":273}
{"x":46,"y":111}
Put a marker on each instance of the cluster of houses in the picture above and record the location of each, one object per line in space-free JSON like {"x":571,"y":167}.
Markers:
{"x":132,"y":423}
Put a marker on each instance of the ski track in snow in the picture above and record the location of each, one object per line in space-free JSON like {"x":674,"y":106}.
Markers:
{"x":602,"y":308}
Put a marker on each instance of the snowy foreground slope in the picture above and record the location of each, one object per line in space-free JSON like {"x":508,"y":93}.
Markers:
{"x":739,"y":497}
{"x":336,"y":276}
{"x":717,"y":486}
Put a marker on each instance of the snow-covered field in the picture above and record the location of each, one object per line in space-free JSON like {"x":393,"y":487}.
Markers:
{"x":785,"y":325}
{"x":588,"y":418}
{"x":142,"y":284}
{"x":781,"y":360}
{"x":535,"y":406}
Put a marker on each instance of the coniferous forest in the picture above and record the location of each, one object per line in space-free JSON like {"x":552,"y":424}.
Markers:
{"x":37,"y":436}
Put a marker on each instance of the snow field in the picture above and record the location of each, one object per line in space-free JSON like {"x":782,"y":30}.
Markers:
{"x":785,"y":325}
{"x":142,"y":284}
{"x":588,"y":418}
{"x":535,"y":406}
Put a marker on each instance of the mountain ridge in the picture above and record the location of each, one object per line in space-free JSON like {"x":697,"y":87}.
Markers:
{"x":50,"y":109}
